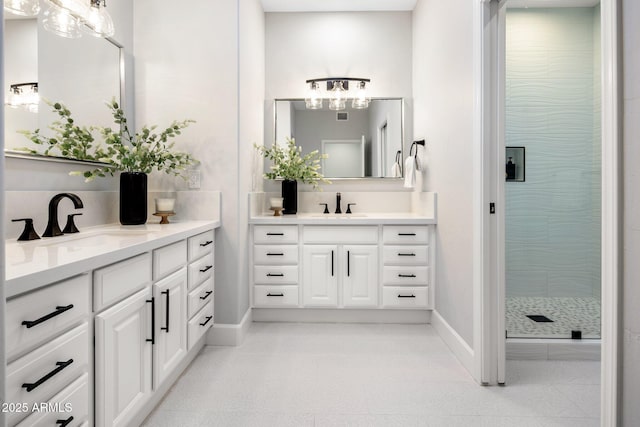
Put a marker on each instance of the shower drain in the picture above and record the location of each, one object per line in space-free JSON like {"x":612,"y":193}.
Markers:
{"x":539,"y":318}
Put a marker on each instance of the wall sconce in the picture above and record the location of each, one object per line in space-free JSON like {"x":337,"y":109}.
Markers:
{"x":337,"y":93}
{"x":24,"y":95}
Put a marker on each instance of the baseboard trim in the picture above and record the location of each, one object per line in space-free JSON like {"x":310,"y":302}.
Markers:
{"x":454,"y":341}
{"x":552,"y":349}
{"x":341,"y":315}
{"x":230,"y":334}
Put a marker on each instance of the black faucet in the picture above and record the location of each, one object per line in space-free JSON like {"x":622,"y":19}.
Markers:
{"x":53,"y":229}
{"x":338,"y":197}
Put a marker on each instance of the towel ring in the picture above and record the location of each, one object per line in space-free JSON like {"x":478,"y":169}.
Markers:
{"x":415,"y":144}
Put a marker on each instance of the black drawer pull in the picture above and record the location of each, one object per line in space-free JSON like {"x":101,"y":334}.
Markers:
{"x":166,"y":327}
{"x":152,"y":340}
{"x":275,"y":234}
{"x":274,"y":295}
{"x":406,"y":296}
{"x":275,"y":254}
{"x":206,"y":321}
{"x":207,"y":243}
{"x":275,"y":275}
{"x":59,"y":310}
{"x":406,"y":234}
{"x":60,"y":366}
{"x":406,"y":275}
{"x":207,"y":268}
{"x":206,"y":295}
{"x":348,"y":263}
{"x":401,"y":254}
{"x":63,"y":423}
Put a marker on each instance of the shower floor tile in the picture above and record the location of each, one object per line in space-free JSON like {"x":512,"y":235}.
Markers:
{"x":567,"y":313}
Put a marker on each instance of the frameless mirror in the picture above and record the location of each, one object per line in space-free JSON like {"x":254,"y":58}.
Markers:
{"x":82,"y":73}
{"x":360,"y":143}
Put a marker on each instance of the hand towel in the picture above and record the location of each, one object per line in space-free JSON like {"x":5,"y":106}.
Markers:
{"x":396,"y":170}
{"x":410,"y":172}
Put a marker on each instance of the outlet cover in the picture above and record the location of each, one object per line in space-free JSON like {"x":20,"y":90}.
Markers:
{"x":194,"y":179}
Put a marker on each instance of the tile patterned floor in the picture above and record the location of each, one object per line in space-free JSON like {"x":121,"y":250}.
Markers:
{"x":322,"y":375}
{"x":567,"y":314}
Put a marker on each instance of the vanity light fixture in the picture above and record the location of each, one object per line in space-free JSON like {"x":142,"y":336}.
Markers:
{"x":338,"y":93}
{"x":22,"y":7}
{"x":61,"y":21}
{"x":24,"y":95}
{"x":98,"y":22}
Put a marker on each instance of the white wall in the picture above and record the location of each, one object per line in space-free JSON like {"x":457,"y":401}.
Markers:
{"x":3,"y":361}
{"x":443,"y":112}
{"x":630,"y":374}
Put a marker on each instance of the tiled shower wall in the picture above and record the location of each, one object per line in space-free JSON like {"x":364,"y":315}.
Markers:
{"x":553,"y":109}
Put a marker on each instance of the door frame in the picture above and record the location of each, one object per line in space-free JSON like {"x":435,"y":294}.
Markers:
{"x":488,"y":242}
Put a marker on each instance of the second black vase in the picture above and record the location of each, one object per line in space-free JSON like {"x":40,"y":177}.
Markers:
{"x":133,"y":198}
{"x":290,"y":196}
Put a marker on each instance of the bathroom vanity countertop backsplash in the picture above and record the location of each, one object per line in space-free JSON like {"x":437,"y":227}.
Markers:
{"x":344,"y":219}
{"x":33,"y":264}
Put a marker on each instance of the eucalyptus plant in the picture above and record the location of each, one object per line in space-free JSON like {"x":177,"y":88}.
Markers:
{"x":120,"y":150}
{"x":289,"y":163}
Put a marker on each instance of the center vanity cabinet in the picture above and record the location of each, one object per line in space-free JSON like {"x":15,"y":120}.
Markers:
{"x":109,"y":339}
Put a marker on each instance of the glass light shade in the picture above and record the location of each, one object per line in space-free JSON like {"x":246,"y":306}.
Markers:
{"x":338,"y":96}
{"x":24,"y":95}
{"x":61,"y":22}
{"x":77,"y":8}
{"x":98,"y":22}
{"x":313,"y":101}
{"x":361,"y":100}
{"x":22,"y":7}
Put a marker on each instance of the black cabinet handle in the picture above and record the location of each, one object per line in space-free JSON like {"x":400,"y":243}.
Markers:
{"x":206,"y":321}
{"x":332,"y":263}
{"x":207,"y":268}
{"x":63,"y":423}
{"x":274,"y":295}
{"x":275,"y":234}
{"x":59,"y":310}
{"x":275,"y":254}
{"x":406,"y":296}
{"x":348,"y":263}
{"x":60,"y":366}
{"x":275,"y":275}
{"x":406,"y":275}
{"x":206,"y":295}
{"x":207,"y":243}
{"x":401,"y":254}
{"x":406,"y":234}
{"x":166,"y":328}
{"x":152,"y":340}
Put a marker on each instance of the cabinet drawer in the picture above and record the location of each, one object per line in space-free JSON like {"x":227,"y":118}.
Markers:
{"x":200,"y":323}
{"x":201,"y":244}
{"x":275,"y":275}
{"x":275,"y":254}
{"x":39,"y":316}
{"x":341,"y":234}
{"x":48,"y":369}
{"x":405,"y":234}
{"x":117,"y":281}
{"x":169,"y":258}
{"x":406,"y":255}
{"x":405,"y":275}
{"x":199,"y":297}
{"x":275,"y":296}
{"x":73,"y":401}
{"x":405,"y":297}
{"x":275,"y":234}
{"x":200,"y":270}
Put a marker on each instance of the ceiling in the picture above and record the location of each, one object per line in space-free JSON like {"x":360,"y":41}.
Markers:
{"x":551,"y":3}
{"x":337,"y":5}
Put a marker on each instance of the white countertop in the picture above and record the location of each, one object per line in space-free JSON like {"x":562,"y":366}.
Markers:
{"x":33,"y":264}
{"x":344,"y":219}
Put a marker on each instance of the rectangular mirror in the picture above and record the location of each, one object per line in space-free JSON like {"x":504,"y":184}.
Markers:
{"x":360,"y":143}
{"x":82,"y":73}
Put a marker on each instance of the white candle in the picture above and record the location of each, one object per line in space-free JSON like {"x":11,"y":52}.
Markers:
{"x":276,"y":202}
{"x":165,"y":205}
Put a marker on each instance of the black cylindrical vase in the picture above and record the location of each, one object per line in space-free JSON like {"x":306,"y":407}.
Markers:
{"x":290,"y":196}
{"x":133,"y":198}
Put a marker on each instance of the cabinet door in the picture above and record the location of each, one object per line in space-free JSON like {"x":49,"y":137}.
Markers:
{"x":171,"y":324}
{"x":320,"y":280}
{"x":123,"y":359}
{"x":360,"y":276}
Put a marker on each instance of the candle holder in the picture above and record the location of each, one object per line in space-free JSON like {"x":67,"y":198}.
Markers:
{"x":165,"y":216}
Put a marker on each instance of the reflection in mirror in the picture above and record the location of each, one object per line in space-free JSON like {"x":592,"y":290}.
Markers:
{"x":360,"y":143}
{"x":81,"y":73}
